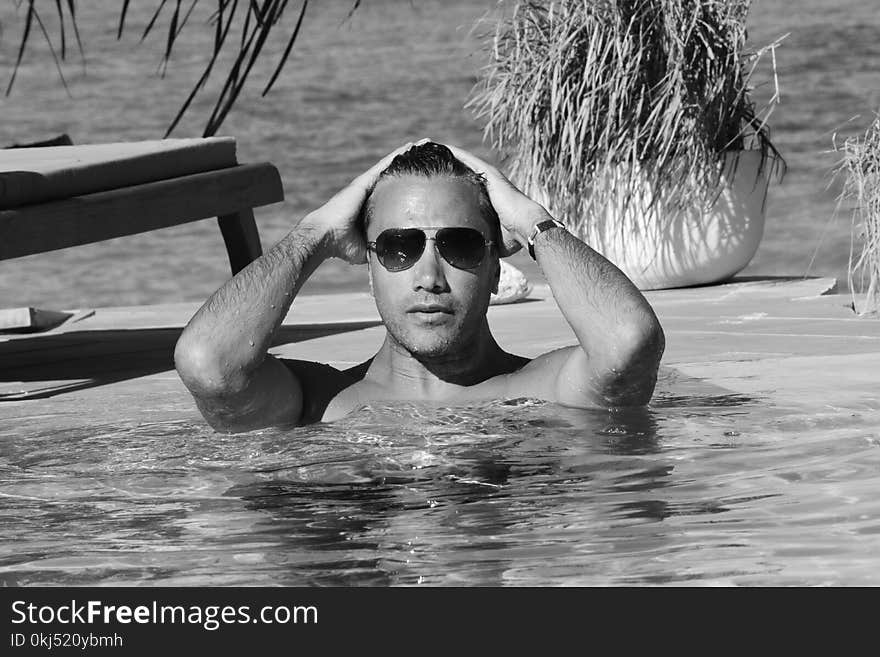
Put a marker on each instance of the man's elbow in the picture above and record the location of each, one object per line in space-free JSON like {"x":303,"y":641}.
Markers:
{"x":201,"y":368}
{"x":635,"y":363}
{"x":640,"y":345}
{"x":234,"y":400}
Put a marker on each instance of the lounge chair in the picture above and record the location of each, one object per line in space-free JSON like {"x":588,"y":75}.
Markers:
{"x":61,"y":196}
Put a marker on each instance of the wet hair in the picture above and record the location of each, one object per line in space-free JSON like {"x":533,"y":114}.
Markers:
{"x":434,"y":160}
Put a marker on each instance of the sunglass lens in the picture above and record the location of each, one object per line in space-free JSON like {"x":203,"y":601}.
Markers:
{"x":461,"y":247}
{"x":399,"y":249}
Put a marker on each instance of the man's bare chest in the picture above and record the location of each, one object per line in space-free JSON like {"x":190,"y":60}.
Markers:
{"x":364,"y":392}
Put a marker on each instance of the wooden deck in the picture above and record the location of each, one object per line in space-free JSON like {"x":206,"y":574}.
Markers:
{"x":791,"y":341}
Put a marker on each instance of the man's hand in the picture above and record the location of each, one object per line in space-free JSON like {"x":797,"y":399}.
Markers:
{"x":337,"y":219}
{"x":517,"y":212}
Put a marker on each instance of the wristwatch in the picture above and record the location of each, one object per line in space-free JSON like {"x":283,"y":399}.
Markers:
{"x":540,"y":227}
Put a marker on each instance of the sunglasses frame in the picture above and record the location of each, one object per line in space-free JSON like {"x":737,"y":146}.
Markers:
{"x":371,"y":246}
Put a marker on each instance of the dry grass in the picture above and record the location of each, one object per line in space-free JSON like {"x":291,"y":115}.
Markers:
{"x":599,"y":102}
{"x":861,"y":168}
{"x":253,"y":21}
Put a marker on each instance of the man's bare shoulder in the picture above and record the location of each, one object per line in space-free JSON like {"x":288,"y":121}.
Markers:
{"x":567,"y":376}
{"x":537,"y":377}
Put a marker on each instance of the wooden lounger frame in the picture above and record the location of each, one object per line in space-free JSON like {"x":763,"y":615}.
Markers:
{"x":229,"y":194}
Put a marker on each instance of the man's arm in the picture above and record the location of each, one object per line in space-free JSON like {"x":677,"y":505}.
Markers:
{"x":221,"y":355}
{"x":620,"y":339}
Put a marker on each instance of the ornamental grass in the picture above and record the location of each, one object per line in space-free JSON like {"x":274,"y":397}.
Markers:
{"x":861,"y":168}
{"x":602,"y":103}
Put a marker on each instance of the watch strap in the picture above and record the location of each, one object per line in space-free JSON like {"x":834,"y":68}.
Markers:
{"x":540,"y":227}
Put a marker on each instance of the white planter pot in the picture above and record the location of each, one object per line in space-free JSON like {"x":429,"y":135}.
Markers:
{"x":512,"y":285}
{"x":658,"y":248}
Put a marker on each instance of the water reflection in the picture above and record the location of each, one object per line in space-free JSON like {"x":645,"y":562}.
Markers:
{"x":517,"y":493}
{"x":448,"y":495}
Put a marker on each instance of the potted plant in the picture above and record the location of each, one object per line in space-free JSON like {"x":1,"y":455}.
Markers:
{"x":632,"y":122}
{"x":860,"y":166}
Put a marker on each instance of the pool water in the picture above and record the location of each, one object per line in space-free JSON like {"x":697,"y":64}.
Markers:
{"x":704,"y":487}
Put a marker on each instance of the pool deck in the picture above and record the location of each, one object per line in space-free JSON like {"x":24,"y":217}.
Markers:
{"x":792,"y":340}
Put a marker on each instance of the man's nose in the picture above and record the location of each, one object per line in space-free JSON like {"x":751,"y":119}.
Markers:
{"x":429,"y":274}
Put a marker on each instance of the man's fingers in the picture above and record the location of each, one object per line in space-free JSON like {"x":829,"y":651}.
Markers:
{"x":382,"y":164}
{"x":368,"y":178}
{"x":376,"y":170}
{"x":475,"y":163}
{"x":468,"y":158}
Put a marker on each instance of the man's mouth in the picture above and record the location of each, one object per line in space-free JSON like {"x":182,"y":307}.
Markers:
{"x":429,"y":308}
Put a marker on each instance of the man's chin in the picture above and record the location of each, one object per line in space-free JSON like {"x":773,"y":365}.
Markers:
{"x":433,"y":349}
{"x":433,"y":353}
{"x":430,"y":344}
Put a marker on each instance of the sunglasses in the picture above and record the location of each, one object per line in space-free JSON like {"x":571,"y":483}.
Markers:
{"x":400,"y":248}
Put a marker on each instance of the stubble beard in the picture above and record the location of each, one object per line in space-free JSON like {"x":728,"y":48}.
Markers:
{"x":425,"y":343}
{"x":454,"y":343}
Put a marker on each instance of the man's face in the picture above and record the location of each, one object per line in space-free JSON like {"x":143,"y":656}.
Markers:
{"x":431,"y":309}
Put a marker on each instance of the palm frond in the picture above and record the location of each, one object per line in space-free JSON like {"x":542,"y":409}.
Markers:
{"x":123,"y":12}
{"x":71,"y":8}
{"x":257,"y":19}
{"x":287,"y":49}
{"x":42,"y":27}
{"x":60,"y":11}
{"x":149,"y":27}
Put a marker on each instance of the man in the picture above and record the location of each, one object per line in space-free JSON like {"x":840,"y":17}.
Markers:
{"x":431,"y":222}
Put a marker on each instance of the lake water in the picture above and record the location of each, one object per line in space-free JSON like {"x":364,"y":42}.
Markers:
{"x":704,"y":488}
{"x":356,"y":89}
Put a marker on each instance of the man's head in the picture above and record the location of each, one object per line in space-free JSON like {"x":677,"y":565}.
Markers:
{"x":434,"y":286}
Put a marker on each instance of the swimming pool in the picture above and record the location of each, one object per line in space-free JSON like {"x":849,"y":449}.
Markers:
{"x":704,"y":487}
